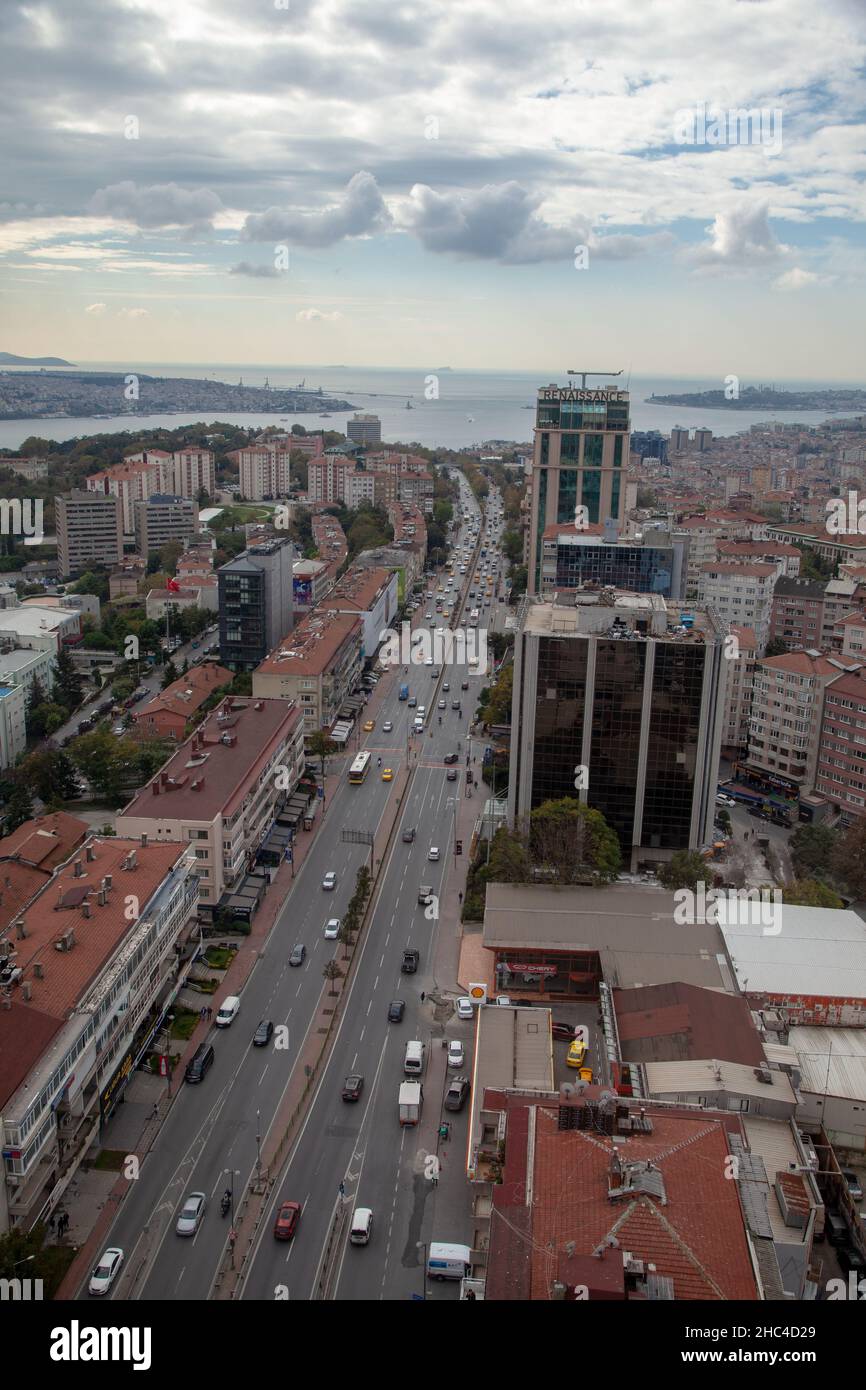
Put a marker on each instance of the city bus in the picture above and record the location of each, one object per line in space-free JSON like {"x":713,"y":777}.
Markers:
{"x":473,"y":617}
{"x":360,"y":767}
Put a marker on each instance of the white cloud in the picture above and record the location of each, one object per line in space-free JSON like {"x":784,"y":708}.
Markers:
{"x":740,"y":237}
{"x":798,"y":279}
{"x":359,"y":211}
{"x":317,"y":315}
{"x":133,"y":313}
{"x":96,"y":309}
{"x":157,"y":205}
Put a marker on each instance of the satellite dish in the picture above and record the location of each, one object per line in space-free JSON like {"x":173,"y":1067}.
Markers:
{"x":608,"y":1096}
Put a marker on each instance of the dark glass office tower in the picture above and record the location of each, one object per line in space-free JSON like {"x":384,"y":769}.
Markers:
{"x":581,"y":449}
{"x":633,"y":691}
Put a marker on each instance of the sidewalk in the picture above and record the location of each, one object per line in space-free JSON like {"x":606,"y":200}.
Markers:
{"x":147,"y":1100}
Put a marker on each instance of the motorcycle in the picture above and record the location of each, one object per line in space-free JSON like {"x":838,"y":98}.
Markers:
{"x":225,"y":1202}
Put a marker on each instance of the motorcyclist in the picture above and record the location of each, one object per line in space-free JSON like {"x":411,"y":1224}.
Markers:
{"x":378,"y":762}
{"x":440,"y":719}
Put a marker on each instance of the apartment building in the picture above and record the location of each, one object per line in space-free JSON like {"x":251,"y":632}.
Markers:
{"x":326,"y":477}
{"x":704,"y":533}
{"x":371,"y":595}
{"x":255,"y":602}
{"x":841,"y":597}
{"x":740,"y":594}
{"x":311,"y":581}
{"x":131,"y":482}
{"x":787,"y":704}
{"x":219,"y":794}
{"x":193,"y":472}
{"x":162,"y":518}
{"x":838,"y":549}
{"x":364,"y":429}
{"x":263,"y":470}
{"x":361,"y":487}
{"x":841,"y":775}
{"x":738,"y":694}
{"x":317,"y":666}
{"x":167,"y":714}
{"x":124,"y":580}
{"x":632,"y":690}
{"x":850,"y":633}
{"x":649,"y":563}
{"x":797,"y":613}
{"x":13,"y":733}
{"x":30,"y":468}
{"x":89,"y":531}
{"x":85,"y":988}
{"x":785,"y":557}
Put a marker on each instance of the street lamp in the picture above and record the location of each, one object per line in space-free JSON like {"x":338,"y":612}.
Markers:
{"x":422,"y":1245}
{"x":258,"y":1146}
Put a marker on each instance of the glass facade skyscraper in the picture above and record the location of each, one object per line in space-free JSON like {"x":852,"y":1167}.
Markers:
{"x":581,"y":447}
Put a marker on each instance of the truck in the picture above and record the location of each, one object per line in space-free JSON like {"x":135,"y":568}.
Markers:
{"x":409,"y":964}
{"x":410,"y":1100}
{"x":404,"y":693}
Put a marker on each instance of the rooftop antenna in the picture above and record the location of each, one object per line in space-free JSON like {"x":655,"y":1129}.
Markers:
{"x":574,"y":371}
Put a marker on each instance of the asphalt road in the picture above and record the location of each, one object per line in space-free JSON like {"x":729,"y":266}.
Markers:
{"x":209,"y":1137}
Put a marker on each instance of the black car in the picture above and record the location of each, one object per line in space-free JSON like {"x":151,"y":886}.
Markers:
{"x":409,"y":836}
{"x":298,"y":955}
{"x":263,"y":1034}
{"x":464,"y":685}
{"x":409,"y":963}
{"x":455,"y":704}
{"x":395,"y":1010}
{"x":449,"y":759}
{"x":352,"y":1087}
{"x":851,"y":1259}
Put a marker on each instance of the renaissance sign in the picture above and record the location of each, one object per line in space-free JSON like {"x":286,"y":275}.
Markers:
{"x":571,"y":393}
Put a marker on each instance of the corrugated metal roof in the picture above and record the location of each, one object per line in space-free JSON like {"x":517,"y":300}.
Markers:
{"x":818,"y":951}
{"x":710,"y":1076}
{"x":832,"y":1060}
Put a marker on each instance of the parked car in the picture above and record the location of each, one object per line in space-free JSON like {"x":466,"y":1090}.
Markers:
{"x":286,"y":1224}
{"x":855,"y":1187}
{"x":191,"y":1214}
{"x":576,"y":1053}
{"x":456,"y":1054}
{"x":458,"y":1090}
{"x":464,"y":1007}
{"x":396,"y":1009}
{"x":332,"y":928}
{"x":329,"y":882}
{"x":298,"y":955}
{"x":263,"y":1034}
{"x":352,"y":1087}
{"x":106,"y":1270}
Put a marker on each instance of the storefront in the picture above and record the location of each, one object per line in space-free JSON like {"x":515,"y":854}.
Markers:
{"x":547,"y":973}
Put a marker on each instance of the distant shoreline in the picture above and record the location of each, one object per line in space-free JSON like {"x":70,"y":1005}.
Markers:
{"x":832,"y":401}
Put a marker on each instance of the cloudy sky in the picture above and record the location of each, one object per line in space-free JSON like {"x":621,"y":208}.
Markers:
{"x":479,"y":183}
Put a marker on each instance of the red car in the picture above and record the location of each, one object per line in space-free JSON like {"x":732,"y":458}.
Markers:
{"x":287,"y":1220}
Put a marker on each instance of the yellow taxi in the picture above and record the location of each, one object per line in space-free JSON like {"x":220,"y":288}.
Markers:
{"x":387,"y":774}
{"x":585,"y":1074}
{"x":576,"y":1054}
{"x":369,"y":726}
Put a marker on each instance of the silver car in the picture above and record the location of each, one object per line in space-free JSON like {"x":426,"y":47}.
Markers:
{"x":191,"y":1214}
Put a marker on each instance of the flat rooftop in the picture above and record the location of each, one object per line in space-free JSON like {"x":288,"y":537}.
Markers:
{"x":819,"y":951}
{"x":598,"y":613}
{"x":312,"y":646}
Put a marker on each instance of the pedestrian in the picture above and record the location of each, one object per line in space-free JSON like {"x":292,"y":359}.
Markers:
{"x":423,"y":996}
{"x":201,"y":1013}
{"x":52,"y":1222}
{"x":154,"y":1114}
{"x":210,"y":1014}
{"x":460,"y":897}
{"x":342,"y":1189}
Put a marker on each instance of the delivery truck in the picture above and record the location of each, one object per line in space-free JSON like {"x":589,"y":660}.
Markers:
{"x":411,"y":1098}
{"x":404,"y":692}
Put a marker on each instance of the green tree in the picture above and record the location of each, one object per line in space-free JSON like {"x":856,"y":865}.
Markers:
{"x":19,"y":807}
{"x":811,"y":848}
{"x":321,"y":747}
{"x":810,"y":892}
{"x":685,"y":869}
{"x":571,"y":839}
{"x":776,"y":647}
{"x":849,"y":858}
{"x":332,"y":973}
{"x":519,"y":580}
{"x":497,"y":709}
{"x":68,"y":681}
{"x":509,"y":859}
{"x":169,"y":673}
{"x":51,"y":774}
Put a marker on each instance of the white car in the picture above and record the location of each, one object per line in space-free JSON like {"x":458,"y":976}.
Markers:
{"x":464,"y":1007}
{"x":191,"y":1214}
{"x":428,"y":661}
{"x":106,"y":1270}
{"x":332,"y":928}
{"x":422,"y":710}
{"x":443,"y":704}
{"x":456,"y":1055}
{"x":725,"y":800}
{"x":329,"y":882}
{"x":428,"y":617}
{"x":387,"y":727}
{"x":433,"y":854}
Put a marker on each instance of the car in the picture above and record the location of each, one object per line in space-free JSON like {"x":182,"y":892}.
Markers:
{"x":446,"y":685}
{"x":451,"y":775}
{"x":428,"y":616}
{"x":396,"y":1009}
{"x":288,"y":1216}
{"x":464,"y":1007}
{"x":409,"y":836}
{"x":387,"y":774}
{"x":435,"y":673}
{"x":387,"y":726}
{"x":850,"y":1260}
{"x":433,"y":854}
{"x":428,"y":661}
{"x":413,"y":701}
{"x":443,"y":704}
{"x":118,"y":731}
{"x":576,"y":1053}
{"x":450,"y":759}
{"x":191,"y":1214}
{"x":329,"y":882}
{"x":332,"y":928}
{"x":369,"y":726}
{"x":585,"y":1074}
{"x":409,"y":963}
{"x":503,"y":1000}
{"x":458,"y":1090}
{"x":425,"y":894}
{"x":456,"y":1054}
{"x":455,"y":704}
{"x":352,"y":1087}
{"x":298,"y":955}
{"x":464,"y":685}
{"x":855,"y":1187}
{"x":421,"y":711}
{"x":263,"y":1034}
{"x":106,"y":1270}
{"x":725,"y":800}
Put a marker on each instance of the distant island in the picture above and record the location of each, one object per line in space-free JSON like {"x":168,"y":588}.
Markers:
{"x":113,"y":395}
{"x":11,"y":359}
{"x":767,"y":398}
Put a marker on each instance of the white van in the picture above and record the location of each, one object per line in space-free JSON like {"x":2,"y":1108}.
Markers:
{"x":413,"y":1062}
{"x":229,"y":1011}
{"x":362,"y":1224}
{"x":448,"y":1261}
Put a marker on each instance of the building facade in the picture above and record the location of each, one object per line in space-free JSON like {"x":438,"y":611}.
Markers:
{"x":255,"y":603}
{"x":89,"y":531}
{"x":163,"y":518}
